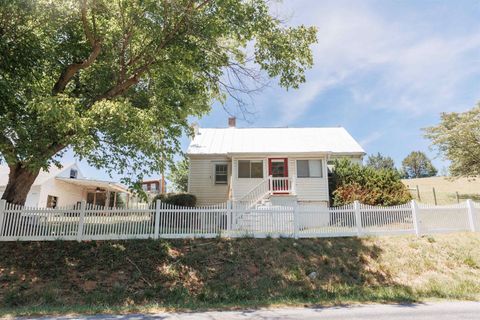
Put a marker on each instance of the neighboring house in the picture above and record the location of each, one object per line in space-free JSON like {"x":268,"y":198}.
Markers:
{"x":154,"y":187}
{"x":266,"y":163}
{"x":67,"y":186}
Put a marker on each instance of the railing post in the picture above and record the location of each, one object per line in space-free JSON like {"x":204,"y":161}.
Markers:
{"x":358,"y":217}
{"x":415,"y":218}
{"x":471,"y":214}
{"x":81,"y":220}
{"x":270,"y":184}
{"x":156,"y":232}
{"x":3,"y":205}
{"x":294,"y":184}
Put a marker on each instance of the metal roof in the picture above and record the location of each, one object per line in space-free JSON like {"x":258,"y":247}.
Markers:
{"x":274,"y":140}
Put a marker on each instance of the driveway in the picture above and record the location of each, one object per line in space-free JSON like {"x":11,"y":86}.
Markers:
{"x":427,"y":311}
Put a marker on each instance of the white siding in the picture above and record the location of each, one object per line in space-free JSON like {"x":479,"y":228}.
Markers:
{"x":310,"y":189}
{"x":201,"y":181}
{"x":241,"y":186}
{"x":67,"y":193}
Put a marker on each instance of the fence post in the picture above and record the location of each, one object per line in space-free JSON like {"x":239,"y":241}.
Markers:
{"x":156,"y":232}
{"x":3,"y":204}
{"x":229,"y":215}
{"x":295,"y":221}
{"x":358,"y":217}
{"x":415,"y":217}
{"x":471,"y":214}
{"x":81,"y":220}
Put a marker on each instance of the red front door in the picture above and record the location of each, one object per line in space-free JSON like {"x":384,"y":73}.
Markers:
{"x":278,"y":169}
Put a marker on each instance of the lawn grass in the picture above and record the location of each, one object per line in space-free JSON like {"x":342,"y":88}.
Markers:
{"x":146,"y":275}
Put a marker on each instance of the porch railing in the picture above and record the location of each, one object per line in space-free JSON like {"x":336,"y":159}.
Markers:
{"x":282,"y":184}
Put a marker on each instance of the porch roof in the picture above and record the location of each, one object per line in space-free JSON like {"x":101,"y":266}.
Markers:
{"x":107,"y":185}
{"x":274,"y":140}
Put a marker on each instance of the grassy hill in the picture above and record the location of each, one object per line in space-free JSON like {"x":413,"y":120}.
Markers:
{"x":445,"y":189}
{"x":147,"y":275}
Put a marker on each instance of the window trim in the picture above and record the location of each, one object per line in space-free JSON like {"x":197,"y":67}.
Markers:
{"x":322,"y":168}
{"x":215,"y":182}
{"x":261,"y":161}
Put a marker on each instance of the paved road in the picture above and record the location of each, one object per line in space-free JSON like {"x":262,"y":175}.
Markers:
{"x":427,"y":311}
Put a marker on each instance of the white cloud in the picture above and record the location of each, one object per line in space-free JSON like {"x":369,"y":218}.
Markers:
{"x":404,"y":64}
{"x":370,"y":138}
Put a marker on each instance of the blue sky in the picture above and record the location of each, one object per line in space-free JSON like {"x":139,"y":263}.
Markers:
{"x":383,"y":70}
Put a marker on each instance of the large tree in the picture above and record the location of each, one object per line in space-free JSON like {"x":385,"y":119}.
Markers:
{"x":379,"y":162}
{"x":116,"y":81}
{"x":457,"y":137}
{"x":418,"y":165}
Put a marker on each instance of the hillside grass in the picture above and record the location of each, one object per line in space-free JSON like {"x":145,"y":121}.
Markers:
{"x":147,"y":275}
{"x":446,"y":189}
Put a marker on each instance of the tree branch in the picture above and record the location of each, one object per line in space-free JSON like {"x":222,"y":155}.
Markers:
{"x":123,"y":86}
{"x":73,"y":68}
{"x":8,"y":149}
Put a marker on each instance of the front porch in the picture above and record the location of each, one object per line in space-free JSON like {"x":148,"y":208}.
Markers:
{"x":255,"y":178}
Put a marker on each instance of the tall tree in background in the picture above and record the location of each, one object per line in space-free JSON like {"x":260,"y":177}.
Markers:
{"x":418,"y":165}
{"x":380,"y":162}
{"x":457,"y":138}
{"x":178,"y":175}
{"x":115,"y":81}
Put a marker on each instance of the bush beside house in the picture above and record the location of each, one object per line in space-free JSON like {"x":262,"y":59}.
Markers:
{"x":350,"y":182}
{"x":177,"y":199}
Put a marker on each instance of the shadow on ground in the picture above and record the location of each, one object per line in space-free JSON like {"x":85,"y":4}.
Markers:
{"x":195,"y":273}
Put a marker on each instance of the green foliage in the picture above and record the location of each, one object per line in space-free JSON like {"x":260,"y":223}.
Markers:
{"x":118,"y":80}
{"x":456,"y":137}
{"x":380,"y":162}
{"x":368,"y":185}
{"x":178,"y":199}
{"x":178,"y":175}
{"x":418,"y":165}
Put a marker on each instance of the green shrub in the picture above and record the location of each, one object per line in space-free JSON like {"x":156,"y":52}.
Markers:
{"x":350,"y":182}
{"x":178,"y":199}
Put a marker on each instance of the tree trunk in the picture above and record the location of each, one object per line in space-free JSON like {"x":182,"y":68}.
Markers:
{"x":20,"y":180}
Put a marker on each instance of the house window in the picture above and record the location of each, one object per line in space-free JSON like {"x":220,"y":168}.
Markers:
{"x":73,"y":174}
{"x":309,"y":169}
{"x":144,"y":187}
{"x":250,"y":168}
{"x":52,"y":202}
{"x":221,"y":173}
{"x":153,"y":187}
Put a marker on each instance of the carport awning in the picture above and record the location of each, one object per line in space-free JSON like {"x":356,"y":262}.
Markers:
{"x":107,"y":185}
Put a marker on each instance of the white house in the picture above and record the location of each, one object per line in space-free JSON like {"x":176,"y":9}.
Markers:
{"x":67,"y":186}
{"x":258,"y":163}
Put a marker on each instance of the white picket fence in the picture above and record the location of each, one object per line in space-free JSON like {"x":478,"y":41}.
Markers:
{"x":87,"y":222}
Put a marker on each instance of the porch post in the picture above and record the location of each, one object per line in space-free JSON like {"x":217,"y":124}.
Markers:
{"x":270,"y":184}
{"x":294,"y":184}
